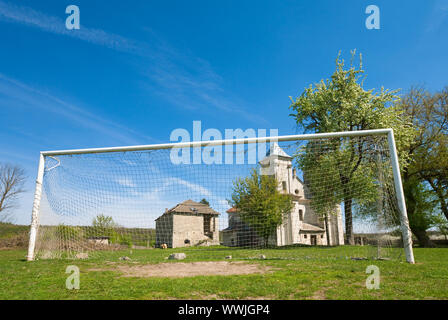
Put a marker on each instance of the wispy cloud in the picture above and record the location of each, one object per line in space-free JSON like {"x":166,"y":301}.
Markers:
{"x":183,"y":79}
{"x":438,"y":15}
{"x":126,"y":182}
{"x":28,"y":16}
{"x":196,"y":188}
{"x":35,"y":99}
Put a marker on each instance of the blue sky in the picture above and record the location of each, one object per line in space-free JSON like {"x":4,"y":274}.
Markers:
{"x":136,"y":70}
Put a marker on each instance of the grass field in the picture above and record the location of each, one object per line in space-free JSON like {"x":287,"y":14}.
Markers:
{"x":296,"y":273}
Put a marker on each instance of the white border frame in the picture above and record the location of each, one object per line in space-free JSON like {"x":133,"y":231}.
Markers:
{"x":405,"y":230}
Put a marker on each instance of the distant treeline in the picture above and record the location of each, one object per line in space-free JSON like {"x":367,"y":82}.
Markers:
{"x":12,"y":235}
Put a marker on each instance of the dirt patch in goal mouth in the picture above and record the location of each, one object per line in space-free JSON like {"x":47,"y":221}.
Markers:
{"x":189,"y":269}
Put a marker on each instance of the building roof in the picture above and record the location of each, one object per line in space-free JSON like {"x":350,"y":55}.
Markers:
{"x":232,"y":210}
{"x":275,"y":150}
{"x":191,"y":207}
{"x":311,"y":228}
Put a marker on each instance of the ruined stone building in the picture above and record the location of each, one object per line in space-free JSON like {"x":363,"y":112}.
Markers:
{"x":189,"y":223}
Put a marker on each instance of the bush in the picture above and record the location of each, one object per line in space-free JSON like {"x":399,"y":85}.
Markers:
{"x":68,"y":232}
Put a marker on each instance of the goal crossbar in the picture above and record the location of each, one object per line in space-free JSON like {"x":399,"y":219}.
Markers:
{"x":193,"y":144}
{"x":405,"y":230}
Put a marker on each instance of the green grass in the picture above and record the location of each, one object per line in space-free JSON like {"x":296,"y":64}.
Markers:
{"x":299,"y":273}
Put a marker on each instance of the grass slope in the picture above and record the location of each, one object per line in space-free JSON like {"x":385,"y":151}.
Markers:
{"x":8,"y":230}
{"x":300,"y":273}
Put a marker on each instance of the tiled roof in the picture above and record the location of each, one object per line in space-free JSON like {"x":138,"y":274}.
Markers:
{"x":232,"y":210}
{"x":190,"y":206}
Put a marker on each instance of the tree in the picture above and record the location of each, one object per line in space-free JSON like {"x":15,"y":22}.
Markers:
{"x":104,"y":225}
{"x":420,"y":209}
{"x":328,"y":159}
{"x":204,"y":201}
{"x":442,"y":225}
{"x":341,"y":104}
{"x":12,"y":179}
{"x":428,"y":167}
{"x":260,"y":203}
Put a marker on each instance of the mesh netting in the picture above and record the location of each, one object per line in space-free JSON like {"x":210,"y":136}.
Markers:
{"x":221,"y":198}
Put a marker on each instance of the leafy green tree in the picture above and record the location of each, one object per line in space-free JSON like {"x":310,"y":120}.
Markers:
{"x":204,"y":201}
{"x":428,"y":152}
{"x":420,"y":209}
{"x":342,"y":104}
{"x":442,"y":225}
{"x":104,"y":226}
{"x":102,"y":221}
{"x":321,"y":164}
{"x":260,"y":203}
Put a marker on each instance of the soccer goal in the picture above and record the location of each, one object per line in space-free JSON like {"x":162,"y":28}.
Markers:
{"x":284,"y":195}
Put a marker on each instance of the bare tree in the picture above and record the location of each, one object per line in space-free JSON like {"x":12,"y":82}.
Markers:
{"x":12,"y":179}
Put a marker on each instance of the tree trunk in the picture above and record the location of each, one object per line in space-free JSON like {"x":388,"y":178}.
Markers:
{"x":266,"y":241}
{"x":423,"y":239}
{"x":349,"y":238}
{"x":444,"y":207}
{"x":327,"y":231}
{"x":440,"y":195}
{"x":443,"y":203}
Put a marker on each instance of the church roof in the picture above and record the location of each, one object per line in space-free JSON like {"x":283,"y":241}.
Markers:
{"x":311,"y":228}
{"x":275,"y":150}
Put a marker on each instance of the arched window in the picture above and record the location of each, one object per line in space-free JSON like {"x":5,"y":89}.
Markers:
{"x":301,"y":215}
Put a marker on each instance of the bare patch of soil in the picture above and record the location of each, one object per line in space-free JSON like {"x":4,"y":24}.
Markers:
{"x":188,"y":269}
{"x":319,"y":295}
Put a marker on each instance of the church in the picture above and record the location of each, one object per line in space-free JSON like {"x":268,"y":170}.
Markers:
{"x":301,"y":225}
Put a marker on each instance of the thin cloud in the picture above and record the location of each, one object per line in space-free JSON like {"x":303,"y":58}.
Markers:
{"x":30,"y":17}
{"x":182,"y":79}
{"x":35,"y":99}
{"x":438,"y":16}
{"x":126,"y":182}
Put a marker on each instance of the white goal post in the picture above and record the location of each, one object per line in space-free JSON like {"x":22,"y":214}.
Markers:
{"x":405,"y":230}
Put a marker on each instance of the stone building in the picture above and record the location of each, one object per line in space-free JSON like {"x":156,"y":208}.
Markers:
{"x":189,"y":223}
{"x":301,"y":225}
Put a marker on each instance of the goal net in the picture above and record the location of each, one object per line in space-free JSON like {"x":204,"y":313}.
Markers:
{"x":279,"y":196}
